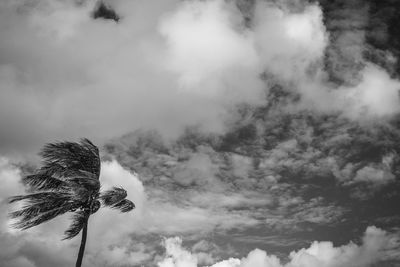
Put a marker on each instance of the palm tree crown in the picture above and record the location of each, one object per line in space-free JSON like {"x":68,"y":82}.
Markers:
{"x":68,"y":181}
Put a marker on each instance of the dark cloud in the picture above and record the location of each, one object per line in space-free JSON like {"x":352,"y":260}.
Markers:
{"x":103,"y":11}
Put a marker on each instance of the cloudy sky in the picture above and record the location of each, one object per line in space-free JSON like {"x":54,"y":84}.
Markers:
{"x":249,"y":133}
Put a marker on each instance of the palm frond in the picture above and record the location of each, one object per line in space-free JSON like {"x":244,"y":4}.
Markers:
{"x":87,"y":182}
{"x":124,"y":205}
{"x":67,"y":178}
{"x":113,"y":196}
{"x":43,"y":206}
{"x":28,"y":220}
{"x":68,"y":181}
{"x":59,"y":170}
{"x":39,"y":197}
{"x":37,"y":204}
{"x":60,"y":158}
{"x":30,"y":211}
{"x":78,"y":221}
{"x":42,"y":181}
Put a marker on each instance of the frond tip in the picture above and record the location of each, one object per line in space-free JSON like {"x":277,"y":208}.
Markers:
{"x":40,"y":207}
{"x":78,"y":221}
{"x":34,"y":216}
{"x":42,"y":197}
{"x":113,"y":196}
{"x":124,"y":205}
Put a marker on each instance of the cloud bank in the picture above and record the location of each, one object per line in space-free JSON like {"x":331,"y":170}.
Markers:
{"x":377,"y":246}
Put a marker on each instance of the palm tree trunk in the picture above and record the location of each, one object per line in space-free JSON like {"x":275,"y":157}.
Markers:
{"x":83,"y":243}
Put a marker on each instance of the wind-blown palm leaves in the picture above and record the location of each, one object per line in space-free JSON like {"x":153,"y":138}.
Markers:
{"x":68,"y":181}
{"x":115,"y":198}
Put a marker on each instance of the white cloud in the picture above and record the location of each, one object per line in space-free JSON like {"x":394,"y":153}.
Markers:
{"x":372,"y":175}
{"x":207,"y":42}
{"x":289,"y":42}
{"x":377,"y":245}
{"x":259,"y":258}
{"x":228,"y":263}
{"x":376,"y":95}
{"x":176,"y":256}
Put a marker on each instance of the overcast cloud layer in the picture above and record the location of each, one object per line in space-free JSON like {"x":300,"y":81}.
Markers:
{"x":248,"y":133}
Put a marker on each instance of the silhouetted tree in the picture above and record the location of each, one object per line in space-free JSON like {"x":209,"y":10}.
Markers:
{"x":68,"y":181}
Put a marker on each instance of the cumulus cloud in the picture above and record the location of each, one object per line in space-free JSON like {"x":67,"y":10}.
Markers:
{"x":377,"y":246}
{"x":289,"y":42}
{"x":176,"y":256}
{"x":376,"y":95}
{"x":208,"y":45}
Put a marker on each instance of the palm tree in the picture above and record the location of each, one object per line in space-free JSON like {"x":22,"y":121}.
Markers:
{"x":68,"y":181}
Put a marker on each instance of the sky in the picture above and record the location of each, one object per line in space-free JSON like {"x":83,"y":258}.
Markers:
{"x":248,"y":133}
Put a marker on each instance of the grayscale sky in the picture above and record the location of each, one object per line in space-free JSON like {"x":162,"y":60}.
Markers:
{"x":249,"y":133}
